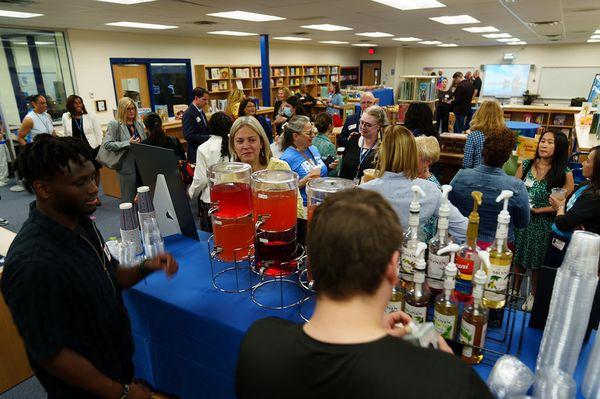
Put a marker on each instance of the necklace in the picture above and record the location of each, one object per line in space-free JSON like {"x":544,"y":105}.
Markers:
{"x":101,"y":258}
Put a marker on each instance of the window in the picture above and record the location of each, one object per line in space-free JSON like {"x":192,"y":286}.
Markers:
{"x":33,"y":62}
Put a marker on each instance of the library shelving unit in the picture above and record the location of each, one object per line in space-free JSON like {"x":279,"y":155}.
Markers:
{"x":555,"y":117}
{"x":219,"y":80}
{"x":417,"y":88}
{"x":349,"y":76}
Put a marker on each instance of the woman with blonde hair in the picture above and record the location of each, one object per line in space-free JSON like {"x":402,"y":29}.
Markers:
{"x":428,"y":149}
{"x":234,"y":99}
{"x":120,"y":134}
{"x":398,"y":170}
{"x":489,"y":117}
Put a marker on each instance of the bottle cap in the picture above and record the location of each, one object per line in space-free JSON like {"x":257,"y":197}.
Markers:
{"x":504,"y":216}
{"x":143,"y":189}
{"x":125,"y":205}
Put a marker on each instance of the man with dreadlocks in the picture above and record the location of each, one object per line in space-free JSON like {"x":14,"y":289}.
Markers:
{"x":63,"y":287}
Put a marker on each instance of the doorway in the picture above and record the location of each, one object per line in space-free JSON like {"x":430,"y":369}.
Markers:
{"x":131,"y":80}
{"x":370,"y":73}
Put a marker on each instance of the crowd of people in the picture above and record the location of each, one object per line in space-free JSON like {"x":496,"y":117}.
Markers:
{"x":350,"y":303}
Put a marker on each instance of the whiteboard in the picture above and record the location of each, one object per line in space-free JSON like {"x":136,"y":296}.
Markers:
{"x":566,"y":82}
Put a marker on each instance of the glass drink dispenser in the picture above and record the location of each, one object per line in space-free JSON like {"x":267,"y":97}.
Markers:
{"x":320,"y":188}
{"x":231,"y":210}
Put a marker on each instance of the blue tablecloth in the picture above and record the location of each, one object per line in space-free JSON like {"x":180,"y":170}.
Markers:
{"x":187,"y":334}
{"x":523,"y":128}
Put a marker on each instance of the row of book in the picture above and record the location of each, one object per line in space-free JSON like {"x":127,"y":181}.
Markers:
{"x":294,"y":81}
{"x":277,"y":82}
{"x":257,"y":84}
{"x":323,"y":70}
{"x":295,"y":71}
{"x":221,"y":85}
{"x":427,"y":91}
{"x":241,"y":72}
{"x":218,"y":105}
{"x":278,"y":71}
{"x":216,"y":73}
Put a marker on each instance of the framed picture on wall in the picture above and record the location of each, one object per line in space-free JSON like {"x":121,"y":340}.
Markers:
{"x":100,"y":105}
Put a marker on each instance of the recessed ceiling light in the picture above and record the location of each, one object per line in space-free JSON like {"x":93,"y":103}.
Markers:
{"x":17,"y":14}
{"x":246,"y":16}
{"x":431,"y":42}
{"x":597,"y":32}
{"x":374,"y":34}
{"x":292,"y":38}
{"x":411,"y":4}
{"x":480,"y":29}
{"x":326,"y":27}
{"x":231,"y":33}
{"x":595,"y":37}
{"x":455,"y":19}
{"x":509,"y":39}
{"x":364,"y":44}
{"x":140,"y":25}
{"x":497,"y":35}
{"x":594,"y":41}
{"x":448,"y":45}
{"x":516,"y":43}
{"x":333,"y":42}
{"x":43,"y":43}
{"x":407,"y":39}
{"x":126,"y":2}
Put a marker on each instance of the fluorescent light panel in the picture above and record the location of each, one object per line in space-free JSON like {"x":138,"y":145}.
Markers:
{"x":430,"y":42}
{"x":326,"y":27}
{"x":597,"y":32}
{"x":595,"y":37}
{"x":411,"y":4}
{"x":246,"y":16}
{"x":140,"y":25}
{"x":374,"y":34}
{"x":407,"y":39}
{"x":364,"y":44}
{"x":508,"y":40}
{"x":455,"y":19}
{"x":292,"y":38}
{"x":333,"y":42}
{"x":480,"y":29}
{"x":594,"y":41}
{"x":516,"y":43}
{"x":448,"y":45}
{"x":17,"y":14}
{"x":497,"y":35}
{"x":231,"y":33}
{"x":126,"y":2}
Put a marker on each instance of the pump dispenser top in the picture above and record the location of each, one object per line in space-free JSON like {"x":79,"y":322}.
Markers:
{"x":444,"y":207}
{"x":477,"y":197}
{"x":418,"y":192}
{"x":485,"y":260}
{"x":420,"y":253}
{"x":504,"y":216}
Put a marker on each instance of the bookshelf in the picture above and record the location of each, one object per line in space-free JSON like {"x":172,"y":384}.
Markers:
{"x":417,"y":88}
{"x":349,"y":76}
{"x":219,"y":80}
{"x":560,"y":118}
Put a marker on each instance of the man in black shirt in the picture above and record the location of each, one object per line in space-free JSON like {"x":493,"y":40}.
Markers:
{"x":349,"y":349}
{"x":62,"y":285}
{"x":306,"y":99}
{"x":461,"y":105}
{"x":477,"y":83}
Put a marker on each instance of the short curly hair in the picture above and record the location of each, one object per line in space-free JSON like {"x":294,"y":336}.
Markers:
{"x":498,"y":146}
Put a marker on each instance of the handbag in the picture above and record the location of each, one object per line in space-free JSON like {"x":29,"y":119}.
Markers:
{"x":110,"y":159}
{"x":186,"y":171}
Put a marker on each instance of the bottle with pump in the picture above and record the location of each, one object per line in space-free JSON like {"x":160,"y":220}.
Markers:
{"x":416,"y":300}
{"x":467,"y":260}
{"x":445,"y":314}
{"x":412,"y":237}
{"x":474,"y":320}
{"x":500,"y":259}
{"x":436,"y":263}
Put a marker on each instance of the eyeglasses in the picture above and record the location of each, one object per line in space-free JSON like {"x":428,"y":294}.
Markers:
{"x":366,"y":124}
{"x":130,"y":108}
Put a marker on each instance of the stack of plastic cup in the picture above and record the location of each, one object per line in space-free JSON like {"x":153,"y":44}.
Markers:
{"x":570,"y":305}
{"x":153,"y":242}
{"x":553,"y":383}
{"x":591,"y":381}
{"x":145,"y":206}
{"x":130,"y":228}
{"x":510,"y":377}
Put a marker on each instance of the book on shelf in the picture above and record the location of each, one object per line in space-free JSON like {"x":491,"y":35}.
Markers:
{"x":507,"y":117}
{"x":223,"y":85}
{"x":179,"y":109}
{"x":214,"y":73}
{"x":539,"y":119}
{"x":143,"y":112}
{"x":406,"y":89}
{"x":334,"y":70}
{"x":527,"y":118}
{"x":162,"y":111}
{"x":423,"y":91}
{"x":239,"y":84}
{"x":214,"y":86}
{"x":224,"y":73}
{"x":256,"y":73}
{"x":560,"y":119}
{"x":242,"y":72}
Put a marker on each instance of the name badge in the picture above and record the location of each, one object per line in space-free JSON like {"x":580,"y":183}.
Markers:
{"x":529,"y":182}
{"x":198,"y":119}
{"x":558,"y":244}
{"x":352,"y":127}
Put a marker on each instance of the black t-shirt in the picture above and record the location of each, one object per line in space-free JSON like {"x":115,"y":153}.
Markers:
{"x":62,"y":292}
{"x":351,"y":166}
{"x":477,"y":83}
{"x":278,"y":360}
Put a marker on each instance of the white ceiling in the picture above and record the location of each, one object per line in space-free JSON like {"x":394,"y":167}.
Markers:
{"x":579,"y":18}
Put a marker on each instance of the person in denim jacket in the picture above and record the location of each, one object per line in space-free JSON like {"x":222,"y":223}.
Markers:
{"x":490,"y":179}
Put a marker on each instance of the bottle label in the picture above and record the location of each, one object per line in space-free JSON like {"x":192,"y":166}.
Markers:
{"x":497,"y":281}
{"x":408,"y":262}
{"x":464,"y":266}
{"x":393,"y":306}
{"x":435,"y":269}
{"x":418,"y":314}
{"x":467,"y":336}
{"x":445,"y":325}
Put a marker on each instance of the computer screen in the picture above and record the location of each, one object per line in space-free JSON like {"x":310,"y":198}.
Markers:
{"x":505,"y":81}
{"x":594,"y":96}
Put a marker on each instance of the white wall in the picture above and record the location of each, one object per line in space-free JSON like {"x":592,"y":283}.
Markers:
{"x":540,"y":55}
{"x":91,"y":51}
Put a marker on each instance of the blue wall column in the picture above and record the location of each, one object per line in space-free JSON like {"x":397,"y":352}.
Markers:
{"x":265,"y":70}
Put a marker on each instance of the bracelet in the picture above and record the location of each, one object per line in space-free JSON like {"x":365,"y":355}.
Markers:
{"x":142,"y":270}
{"x":125,"y":393}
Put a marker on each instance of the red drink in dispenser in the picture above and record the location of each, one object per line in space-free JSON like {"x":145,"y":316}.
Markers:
{"x":231,"y":213}
{"x":274,"y":199}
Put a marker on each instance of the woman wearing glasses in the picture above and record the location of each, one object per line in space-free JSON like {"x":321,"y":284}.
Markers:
{"x":360,"y":151}
{"x":300,"y":154}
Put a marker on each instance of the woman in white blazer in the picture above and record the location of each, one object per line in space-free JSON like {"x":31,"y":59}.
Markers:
{"x":212,"y":151}
{"x":78,"y":123}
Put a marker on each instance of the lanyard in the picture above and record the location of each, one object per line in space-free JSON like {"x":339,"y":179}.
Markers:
{"x":79,"y":123}
{"x":43,"y":123}
{"x":362,"y":157}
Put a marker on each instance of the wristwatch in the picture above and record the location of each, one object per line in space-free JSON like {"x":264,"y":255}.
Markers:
{"x":125,"y":393}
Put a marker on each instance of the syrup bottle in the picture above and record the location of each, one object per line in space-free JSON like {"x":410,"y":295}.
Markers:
{"x":412,"y":237}
{"x":417,"y":298}
{"x":474,"y":322}
{"x":445,"y":314}
{"x":467,"y":260}
{"x":436,"y":263}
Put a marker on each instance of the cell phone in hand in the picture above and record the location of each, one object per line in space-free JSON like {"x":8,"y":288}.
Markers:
{"x":327,"y":161}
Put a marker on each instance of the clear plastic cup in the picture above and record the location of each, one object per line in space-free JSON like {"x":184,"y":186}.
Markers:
{"x":558,"y":193}
{"x":126,"y":253}
{"x":153,"y":241}
{"x":510,"y":377}
{"x":340,"y":150}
